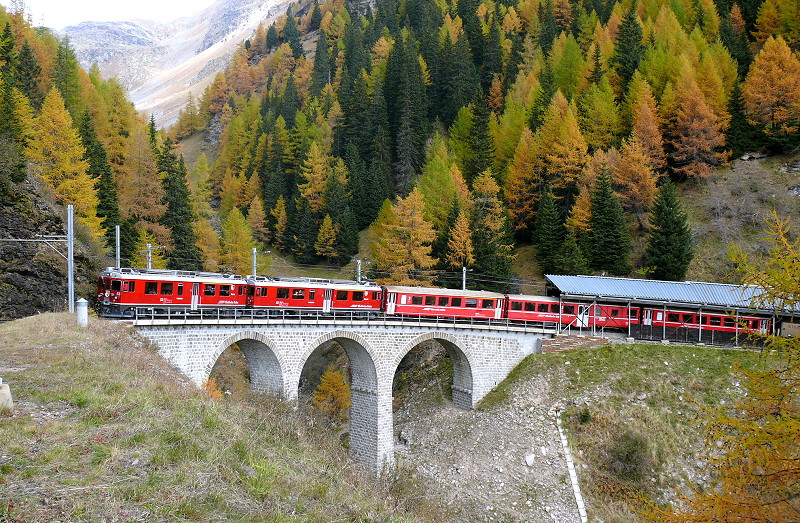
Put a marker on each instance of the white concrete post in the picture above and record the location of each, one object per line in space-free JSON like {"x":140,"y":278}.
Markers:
{"x":82,"y":312}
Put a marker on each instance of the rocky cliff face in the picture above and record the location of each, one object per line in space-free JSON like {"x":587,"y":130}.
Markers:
{"x":33,"y":276}
{"x":159,"y":64}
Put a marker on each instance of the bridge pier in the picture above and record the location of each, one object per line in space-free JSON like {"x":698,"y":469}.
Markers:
{"x":277,"y":353}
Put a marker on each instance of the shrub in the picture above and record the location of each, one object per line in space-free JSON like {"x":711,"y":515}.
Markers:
{"x":629,"y":456}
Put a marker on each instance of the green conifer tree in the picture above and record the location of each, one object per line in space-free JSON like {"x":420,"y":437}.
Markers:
{"x":741,"y":135}
{"x":292,"y":34}
{"x":481,"y":145}
{"x":66,"y":78}
{"x":548,"y":234}
{"x":492,"y":238}
{"x":628,"y":49}
{"x":669,"y":240}
{"x":316,"y":17}
{"x":29,"y":76}
{"x":100,"y":170}
{"x":272,"y":37}
{"x":12,"y":141}
{"x":609,"y":241}
{"x":321,"y":75}
{"x":570,"y":259}
{"x":184,"y":255}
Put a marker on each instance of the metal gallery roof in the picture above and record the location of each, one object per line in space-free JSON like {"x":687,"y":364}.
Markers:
{"x":691,"y":293}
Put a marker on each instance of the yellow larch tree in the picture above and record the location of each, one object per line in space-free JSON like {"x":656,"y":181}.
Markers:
{"x":771,"y":91}
{"x":401,"y":244}
{"x":237,"y":244}
{"x":55,"y":153}
{"x":459,"y":247}
{"x":635,"y":177}
{"x":646,"y":128}
{"x":523,"y":184}
{"x":315,"y":173}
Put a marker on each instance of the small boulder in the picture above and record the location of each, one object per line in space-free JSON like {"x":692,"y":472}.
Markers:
{"x":6,"y":402}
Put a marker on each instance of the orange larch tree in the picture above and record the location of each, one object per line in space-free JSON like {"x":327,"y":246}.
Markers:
{"x":771,"y":91}
{"x":698,"y":136}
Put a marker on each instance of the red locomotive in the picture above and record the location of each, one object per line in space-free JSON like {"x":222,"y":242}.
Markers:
{"x":120,"y":291}
{"x":126,"y":292}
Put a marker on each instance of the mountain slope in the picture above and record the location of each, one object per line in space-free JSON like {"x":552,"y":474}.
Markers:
{"x":159,"y":64}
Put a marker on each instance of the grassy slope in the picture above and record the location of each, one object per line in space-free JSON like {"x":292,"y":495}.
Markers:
{"x":634,"y":416}
{"x":104,"y":428}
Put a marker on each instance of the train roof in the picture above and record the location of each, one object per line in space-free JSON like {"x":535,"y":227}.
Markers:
{"x":530,"y":297}
{"x":136,"y":273}
{"x":316,"y":283}
{"x":686,"y":293}
{"x":445,"y":292}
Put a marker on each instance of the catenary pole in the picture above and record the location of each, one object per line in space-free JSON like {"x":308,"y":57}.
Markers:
{"x":71,"y":258}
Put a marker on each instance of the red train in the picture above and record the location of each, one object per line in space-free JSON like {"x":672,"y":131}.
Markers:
{"x":122,"y":291}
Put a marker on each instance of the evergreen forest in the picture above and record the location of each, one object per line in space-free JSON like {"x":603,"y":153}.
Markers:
{"x":437,"y":135}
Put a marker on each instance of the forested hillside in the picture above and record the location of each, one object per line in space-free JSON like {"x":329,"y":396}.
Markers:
{"x":450,"y":132}
{"x":455,"y":130}
{"x":78,"y":135}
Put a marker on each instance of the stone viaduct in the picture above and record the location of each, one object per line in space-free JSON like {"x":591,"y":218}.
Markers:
{"x":277,"y":350}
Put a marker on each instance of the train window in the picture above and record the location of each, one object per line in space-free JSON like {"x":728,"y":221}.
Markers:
{"x":298,"y":294}
{"x":180,"y":289}
{"x":116,"y":285}
{"x":715,"y":320}
{"x":673,"y":316}
{"x":688,"y":318}
{"x":358,"y":295}
{"x":555,"y":308}
{"x":755,"y":324}
{"x":430,"y":300}
{"x":312,"y":293}
{"x":283,"y":293}
{"x":416,"y":300}
{"x":488,"y":304}
{"x":210,"y":290}
{"x":455,"y":302}
{"x":729,"y":322}
{"x":150,"y":287}
{"x":529,"y":307}
{"x":443,"y":301}
{"x":376,"y":295}
{"x":516,"y":305}
{"x":614,"y":313}
{"x":166,"y":288}
{"x":633,"y":313}
{"x":224,"y":290}
{"x":569,"y":309}
{"x":341,"y":295}
{"x":542,"y":307}
{"x":242,"y":290}
{"x":472,"y":303}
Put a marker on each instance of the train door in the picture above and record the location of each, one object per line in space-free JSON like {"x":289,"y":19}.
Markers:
{"x":391,"y":302}
{"x":648,"y":317}
{"x":498,"y":309}
{"x":195,"y":295}
{"x":582,"y":318}
{"x":326,"y":304}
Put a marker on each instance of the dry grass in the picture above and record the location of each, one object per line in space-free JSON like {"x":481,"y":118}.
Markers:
{"x":104,"y":429}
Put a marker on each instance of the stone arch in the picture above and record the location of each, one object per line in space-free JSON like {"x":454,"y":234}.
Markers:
{"x":367,"y":400}
{"x":462,"y":367}
{"x":264,"y":362}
